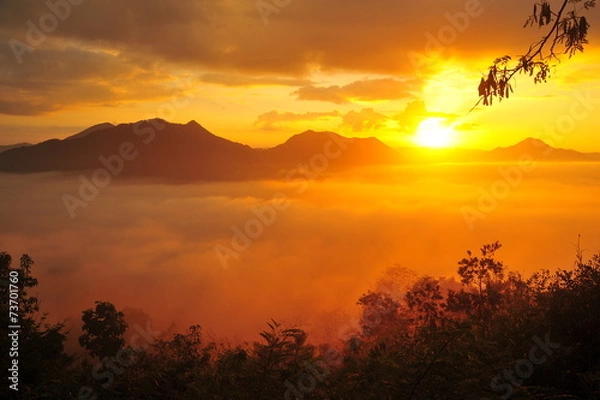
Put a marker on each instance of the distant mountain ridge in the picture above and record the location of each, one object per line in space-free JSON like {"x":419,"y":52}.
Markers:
{"x":540,"y":150}
{"x":13,"y":146}
{"x":184,"y":152}
{"x":91,"y":129}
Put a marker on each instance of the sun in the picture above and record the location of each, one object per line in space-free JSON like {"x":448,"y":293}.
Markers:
{"x":433,"y":132}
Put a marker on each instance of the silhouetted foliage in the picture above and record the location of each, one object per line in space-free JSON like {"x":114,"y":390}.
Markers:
{"x":42,"y":361}
{"x":499,"y":336}
{"x":425,"y":301}
{"x":103,"y":328}
{"x":567,"y":33}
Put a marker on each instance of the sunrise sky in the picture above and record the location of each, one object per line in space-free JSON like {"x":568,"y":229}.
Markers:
{"x":259,"y":71}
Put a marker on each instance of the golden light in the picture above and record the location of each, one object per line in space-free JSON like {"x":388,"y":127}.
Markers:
{"x":434,"y":133}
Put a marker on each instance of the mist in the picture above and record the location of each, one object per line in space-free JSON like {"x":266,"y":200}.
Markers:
{"x":189,"y":254}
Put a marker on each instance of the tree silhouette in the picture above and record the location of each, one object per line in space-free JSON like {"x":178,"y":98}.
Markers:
{"x":481,"y":271}
{"x":281,"y":355}
{"x":425,"y":300}
{"x":43,"y":363}
{"x":103,"y":328}
{"x":499,"y":337}
{"x":170,"y":368}
{"x":567,"y":32}
{"x":379,"y":312}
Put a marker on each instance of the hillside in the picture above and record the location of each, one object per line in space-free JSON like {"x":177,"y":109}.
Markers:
{"x":185,"y":152}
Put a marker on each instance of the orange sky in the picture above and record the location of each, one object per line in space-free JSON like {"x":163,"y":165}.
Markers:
{"x":257,"y":73}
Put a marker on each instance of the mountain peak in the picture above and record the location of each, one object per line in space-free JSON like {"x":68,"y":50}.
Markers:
{"x":91,"y":129}
{"x":531,"y":141}
{"x":539,"y":149}
{"x":194,"y":124}
{"x":187,"y":151}
{"x":307,"y":137}
{"x":528,"y":144}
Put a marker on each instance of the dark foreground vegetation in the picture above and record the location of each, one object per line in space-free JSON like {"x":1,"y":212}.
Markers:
{"x":500,"y":336}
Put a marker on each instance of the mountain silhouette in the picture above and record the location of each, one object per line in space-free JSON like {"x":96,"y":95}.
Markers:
{"x":13,"y":146}
{"x":154,"y":148}
{"x":528,"y":149}
{"x":314,"y":148}
{"x":186,"y":152}
{"x":176,"y":152}
{"x":91,"y":129}
{"x":540,"y":151}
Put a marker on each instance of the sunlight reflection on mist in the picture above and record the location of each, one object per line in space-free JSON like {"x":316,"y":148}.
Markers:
{"x":151,"y":246}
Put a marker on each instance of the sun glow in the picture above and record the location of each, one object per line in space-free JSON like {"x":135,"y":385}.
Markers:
{"x":434,"y":133}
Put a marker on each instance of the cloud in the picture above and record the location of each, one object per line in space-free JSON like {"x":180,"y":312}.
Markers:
{"x":366,"y":119}
{"x":416,"y":112}
{"x":230,"y":35}
{"x":271,"y":120}
{"x":54,"y":79}
{"x":227,"y":41}
{"x":580,"y":73}
{"x":364,"y":90}
{"x":245,"y":81}
{"x":467,"y":126}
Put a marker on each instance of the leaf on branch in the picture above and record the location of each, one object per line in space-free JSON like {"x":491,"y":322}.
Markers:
{"x":482,"y":87}
{"x":566,"y":33}
{"x":545,"y":14}
{"x":583,"y":27}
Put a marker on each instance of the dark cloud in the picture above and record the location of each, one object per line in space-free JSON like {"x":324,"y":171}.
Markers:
{"x":243,"y":81}
{"x":115,"y":40}
{"x":53,"y":79}
{"x":363,"y":90}
{"x":337,"y":34}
